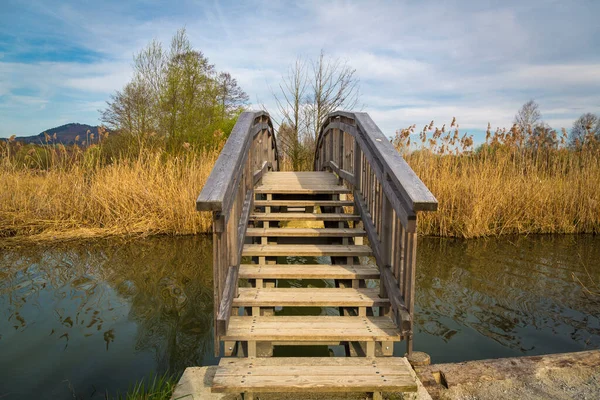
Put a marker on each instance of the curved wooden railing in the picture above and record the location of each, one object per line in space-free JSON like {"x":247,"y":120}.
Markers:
{"x":249,"y":152}
{"x":387,"y":195}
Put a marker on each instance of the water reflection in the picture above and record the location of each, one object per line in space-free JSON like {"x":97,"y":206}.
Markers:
{"x":513,"y":296}
{"x":81,"y":319}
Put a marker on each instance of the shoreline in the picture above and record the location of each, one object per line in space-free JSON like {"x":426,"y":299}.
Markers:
{"x":573,"y":375}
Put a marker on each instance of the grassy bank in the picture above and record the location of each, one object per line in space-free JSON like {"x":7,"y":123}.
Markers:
{"x":58,"y":192}
{"x":513,"y":184}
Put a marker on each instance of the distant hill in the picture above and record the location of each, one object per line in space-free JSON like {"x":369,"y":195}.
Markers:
{"x":65,"y":134}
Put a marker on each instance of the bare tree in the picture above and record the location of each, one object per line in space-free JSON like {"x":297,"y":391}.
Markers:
{"x":334,"y":86}
{"x":584,"y":128}
{"x":528,"y":117}
{"x":306,"y":96}
{"x":290,"y":101}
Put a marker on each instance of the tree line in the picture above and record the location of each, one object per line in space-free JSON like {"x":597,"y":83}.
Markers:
{"x":177,"y":95}
{"x":529,"y":122}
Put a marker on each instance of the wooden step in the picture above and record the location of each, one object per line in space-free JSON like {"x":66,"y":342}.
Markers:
{"x":314,"y":374}
{"x":308,"y":297}
{"x":300,"y":183}
{"x":308,"y":271}
{"x":305,"y":250}
{"x":322,"y":328}
{"x":304,"y":203}
{"x":303,"y":217}
{"x":303,"y":232}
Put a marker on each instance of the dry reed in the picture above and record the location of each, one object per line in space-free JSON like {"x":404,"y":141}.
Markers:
{"x":513,"y":184}
{"x":70,"y":193}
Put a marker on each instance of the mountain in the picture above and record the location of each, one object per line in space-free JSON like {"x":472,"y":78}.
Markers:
{"x":65,"y":134}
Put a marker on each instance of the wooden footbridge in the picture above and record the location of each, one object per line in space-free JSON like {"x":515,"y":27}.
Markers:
{"x":351,"y":225}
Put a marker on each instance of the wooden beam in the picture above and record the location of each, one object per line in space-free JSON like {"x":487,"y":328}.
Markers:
{"x":347,"y":176}
{"x":400,"y":311}
{"x":258,"y":174}
{"x":227,"y":300}
{"x":243,"y":224}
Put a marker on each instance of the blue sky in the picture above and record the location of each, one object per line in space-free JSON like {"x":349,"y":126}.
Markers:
{"x":416,"y":60}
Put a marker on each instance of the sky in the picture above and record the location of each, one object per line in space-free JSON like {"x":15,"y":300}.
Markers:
{"x":417,"y":61}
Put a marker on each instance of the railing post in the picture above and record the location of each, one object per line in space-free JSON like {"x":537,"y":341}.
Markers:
{"x":410,"y":263}
{"x":357,"y":165}
{"x":219,"y":250}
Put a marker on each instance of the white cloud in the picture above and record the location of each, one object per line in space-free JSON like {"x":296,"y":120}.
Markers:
{"x":416,"y":61}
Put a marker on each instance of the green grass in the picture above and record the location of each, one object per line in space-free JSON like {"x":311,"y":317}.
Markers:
{"x":154,"y":387}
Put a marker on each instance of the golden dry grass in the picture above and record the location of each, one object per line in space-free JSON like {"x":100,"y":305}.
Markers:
{"x":510,"y":185}
{"x":152,"y":193}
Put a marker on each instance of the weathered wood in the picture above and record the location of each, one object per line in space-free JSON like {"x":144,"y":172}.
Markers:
{"x":227,"y":300}
{"x":258,"y":174}
{"x":312,"y":329}
{"x":243,"y":224}
{"x":315,"y":374}
{"x":392,"y":292}
{"x":308,"y":297}
{"x":383,"y":155}
{"x":305,"y":232}
{"x":303,"y":217}
{"x":304,"y":203}
{"x":347,"y":176}
{"x":305,"y":250}
{"x":308,"y":271}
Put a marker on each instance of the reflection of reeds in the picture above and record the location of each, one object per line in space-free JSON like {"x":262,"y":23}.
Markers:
{"x":592,"y":288}
{"x":514,"y":183}
{"x":57,"y":191}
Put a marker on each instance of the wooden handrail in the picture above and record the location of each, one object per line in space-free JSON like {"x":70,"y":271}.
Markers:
{"x":216,"y":195}
{"x":228,"y":193}
{"x":387,"y":195}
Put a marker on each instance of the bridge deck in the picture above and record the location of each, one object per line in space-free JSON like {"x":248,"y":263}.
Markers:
{"x":284,"y":202}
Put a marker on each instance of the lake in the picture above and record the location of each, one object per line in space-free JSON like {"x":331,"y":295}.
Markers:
{"x":80,"y":319}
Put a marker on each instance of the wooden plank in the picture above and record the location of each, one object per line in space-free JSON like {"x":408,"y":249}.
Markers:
{"x":243,"y":224}
{"x":296,"y":189}
{"x":303,"y":217}
{"x":305,"y":232}
{"x":258,"y":174}
{"x":304,"y":203}
{"x":403,"y":316}
{"x":312,"y":328}
{"x":308,"y":297}
{"x":316,"y":374}
{"x":308,"y":271}
{"x":347,"y":176}
{"x":227,"y":300}
{"x":306,"y":250}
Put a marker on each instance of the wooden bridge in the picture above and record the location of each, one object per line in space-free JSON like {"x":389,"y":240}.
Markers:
{"x":275,"y":231}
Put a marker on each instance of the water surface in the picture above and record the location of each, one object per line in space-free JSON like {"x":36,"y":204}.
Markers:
{"x":81,"y":319}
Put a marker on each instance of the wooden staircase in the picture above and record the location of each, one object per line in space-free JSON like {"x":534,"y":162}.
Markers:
{"x":279,"y":237}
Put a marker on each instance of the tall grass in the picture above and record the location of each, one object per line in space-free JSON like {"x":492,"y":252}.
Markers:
{"x":516,"y":183}
{"x":53,"y":191}
{"x":157,"y":387}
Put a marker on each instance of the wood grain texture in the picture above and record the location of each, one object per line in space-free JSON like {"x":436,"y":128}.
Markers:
{"x":227,"y":300}
{"x":316,"y":374}
{"x":308,"y":297}
{"x":308,"y":271}
{"x":312,"y":328}
{"x":305,"y":250}
{"x":305,"y":232}
{"x":303,"y":217}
